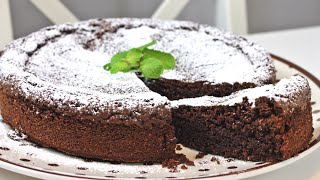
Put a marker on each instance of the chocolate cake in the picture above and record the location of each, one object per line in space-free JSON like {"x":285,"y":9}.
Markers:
{"x":267,"y":123}
{"x":53,"y":89}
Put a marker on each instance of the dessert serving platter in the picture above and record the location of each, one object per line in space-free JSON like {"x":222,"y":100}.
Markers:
{"x":24,"y":157}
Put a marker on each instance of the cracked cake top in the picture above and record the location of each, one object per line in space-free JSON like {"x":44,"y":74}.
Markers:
{"x":63,"y":63}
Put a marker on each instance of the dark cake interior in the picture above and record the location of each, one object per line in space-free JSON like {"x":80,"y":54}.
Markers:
{"x":272,"y":127}
{"x":175,"y":90}
{"x":240,"y":131}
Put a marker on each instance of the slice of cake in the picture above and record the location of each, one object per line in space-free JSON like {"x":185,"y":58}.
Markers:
{"x":267,"y":123}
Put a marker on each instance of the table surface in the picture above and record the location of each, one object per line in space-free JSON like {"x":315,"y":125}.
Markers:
{"x":301,"y":46}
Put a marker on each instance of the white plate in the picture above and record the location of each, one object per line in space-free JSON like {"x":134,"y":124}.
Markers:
{"x":26,"y":158}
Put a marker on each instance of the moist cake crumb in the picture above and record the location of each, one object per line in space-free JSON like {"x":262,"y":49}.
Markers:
{"x":214,"y":159}
{"x":200,"y":155}
{"x":178,"y":159}
{"x":184,"y":167}
{"x":178,"y":147}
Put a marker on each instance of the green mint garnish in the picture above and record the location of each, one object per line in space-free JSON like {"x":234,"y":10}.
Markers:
{"x":151,"y":63}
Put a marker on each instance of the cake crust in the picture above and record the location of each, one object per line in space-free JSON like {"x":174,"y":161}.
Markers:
{"x":99,"y":136}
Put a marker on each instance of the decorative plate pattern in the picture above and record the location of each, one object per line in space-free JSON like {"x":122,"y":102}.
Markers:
{"x":27,"y":158}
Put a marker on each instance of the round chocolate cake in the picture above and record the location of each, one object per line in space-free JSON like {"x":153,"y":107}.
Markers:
{"x":53,"y":89}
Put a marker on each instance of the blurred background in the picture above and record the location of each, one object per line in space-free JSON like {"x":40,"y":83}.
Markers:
{"x":259,"y":15}
{"x":246,"y":17}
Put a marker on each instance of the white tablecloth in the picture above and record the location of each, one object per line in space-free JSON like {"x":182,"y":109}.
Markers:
{"x":301,"y":46}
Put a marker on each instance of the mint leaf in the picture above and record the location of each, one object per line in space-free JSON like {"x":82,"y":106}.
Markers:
{"x":120,"y":66}
{"x":166,"y":58}
{"x":133,"y":57}
{"x":151,"y":63}
{"x":116,"y":58}
{"x":151,"y":68}
{"x":147,"y":45}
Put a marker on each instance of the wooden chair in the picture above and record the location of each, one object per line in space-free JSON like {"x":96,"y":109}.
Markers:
{"x":230,"y":14}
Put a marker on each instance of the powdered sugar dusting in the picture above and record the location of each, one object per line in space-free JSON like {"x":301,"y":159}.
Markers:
{"x":63,"y":70}
{"x":290,"y":90}
{"x":137,"y":36}
{"x":64,"y":63}
{"x":205,"y":54}
{"x":202,"y":59}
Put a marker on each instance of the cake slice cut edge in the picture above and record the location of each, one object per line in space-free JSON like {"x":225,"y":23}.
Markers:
{"x":267,"y":123}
